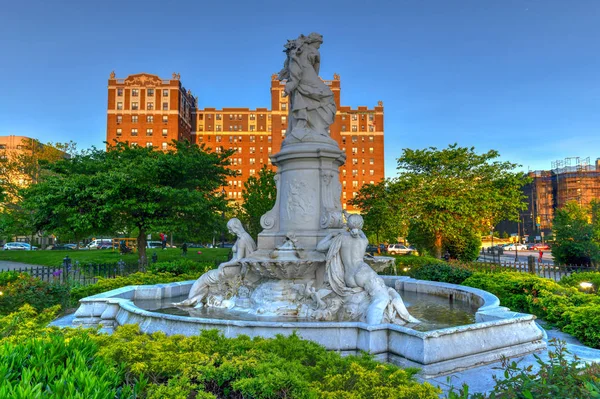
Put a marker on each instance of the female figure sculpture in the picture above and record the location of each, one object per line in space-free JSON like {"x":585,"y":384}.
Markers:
{"x":312,"y":106}
{"x":242,"y":248}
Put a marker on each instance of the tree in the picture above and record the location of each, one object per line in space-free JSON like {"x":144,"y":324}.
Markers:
{"x":131,"y":188}
{"x":259,"y":194}
{"x":448,"y":192}
{"x":380,"y":212}
{"x":576,"y":234}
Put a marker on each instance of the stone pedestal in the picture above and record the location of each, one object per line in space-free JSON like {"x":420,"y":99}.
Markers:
{"x":308,"y":195}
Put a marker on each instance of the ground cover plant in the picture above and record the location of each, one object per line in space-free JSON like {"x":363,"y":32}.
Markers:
{"x":45,"y":362}
{"x":55,"y":258}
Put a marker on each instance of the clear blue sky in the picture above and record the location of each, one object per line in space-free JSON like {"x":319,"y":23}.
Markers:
{"x":518,"y":76}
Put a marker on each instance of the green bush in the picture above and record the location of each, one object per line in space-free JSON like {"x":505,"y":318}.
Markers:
{"x":444,"y":272}
{"x":465,"y":248}
{"x":570,"y":310}
{"x":575,"y":279}
{"x":8,"y":277}
{"x":180,"y":266}
{"x":33,"y":291}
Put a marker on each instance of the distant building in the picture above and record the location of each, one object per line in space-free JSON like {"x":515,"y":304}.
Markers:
{"x":571,"y":179}
{"x":254,"y":133}
{"x":144,"y":109}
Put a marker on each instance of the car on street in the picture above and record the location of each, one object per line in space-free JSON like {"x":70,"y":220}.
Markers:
{"x":105,"y":245}
{"x":398,"y":249}
{"x":515,"y":247}
{"x":538,"y":246}
{"x":59,"y":247}
{"x":71,"y":246}
{"x":371,"y":249}
{"x":154,"y":244}
{"x":18,"y":246}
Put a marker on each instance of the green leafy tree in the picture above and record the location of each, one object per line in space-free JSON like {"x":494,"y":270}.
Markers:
{"x":576,"y":234}
{"x":447,"y":192}
{"x":379,"y":209}
{"x":131,"y":188}
{"x":259,"y":196}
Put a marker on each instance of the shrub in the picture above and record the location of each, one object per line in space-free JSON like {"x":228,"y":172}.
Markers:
{"x":567,"y":308}
{"x":444,"y":272}
{"x":180,"y":266}
{"x":33,"y":291}
{"x":8,"y":277}
{"x":577,"y":278}
{"x":465,"y":247}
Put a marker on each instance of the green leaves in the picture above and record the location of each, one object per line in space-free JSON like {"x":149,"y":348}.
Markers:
{"x":576,"y":232}
{"x":259,"y":196}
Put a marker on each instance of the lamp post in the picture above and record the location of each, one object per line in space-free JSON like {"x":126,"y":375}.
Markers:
{"x":223,"y":217}
{"x":492,"y":234}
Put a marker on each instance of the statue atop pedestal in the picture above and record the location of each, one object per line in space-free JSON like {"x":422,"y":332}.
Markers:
{"x":312,"y":106}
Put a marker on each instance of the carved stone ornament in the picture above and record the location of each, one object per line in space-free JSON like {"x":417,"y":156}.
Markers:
{"x":336,"y":76}
{"x":274,"y":76}
{"x":112,"y":75}
{"x":143,"y":80}
{"x":176,"y":76}
{"x":380,"y":103}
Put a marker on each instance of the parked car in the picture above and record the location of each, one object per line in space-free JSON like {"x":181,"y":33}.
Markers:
{"x":71,"y":246}
{"x":14,"y":246}
{"x":59,"y":247}
{"x":371,"y":249}
{"x":226,"y":245}
{"x":539,"y":246}
{"x":154,"y":244}
{"x":398,"y":249}
{"x":95,"y":243}
{"x":195,"y":245}
{"x":515,"y":247}
{"x":105,"y":245}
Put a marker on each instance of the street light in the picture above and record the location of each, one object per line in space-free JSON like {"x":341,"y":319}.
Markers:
{"x":492,"y":234}
{"x":223,"y":217}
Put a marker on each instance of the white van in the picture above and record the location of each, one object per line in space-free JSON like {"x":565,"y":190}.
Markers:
{"x":94,"y":244}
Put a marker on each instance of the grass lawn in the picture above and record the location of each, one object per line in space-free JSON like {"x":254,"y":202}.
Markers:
{"x":55,"y":258}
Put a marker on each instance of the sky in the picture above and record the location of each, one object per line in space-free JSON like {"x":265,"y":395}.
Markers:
{"x":518,"y":76}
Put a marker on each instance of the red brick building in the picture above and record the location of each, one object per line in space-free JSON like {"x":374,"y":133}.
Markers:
{"x":147,"y":110}
{"x":254,"y":133}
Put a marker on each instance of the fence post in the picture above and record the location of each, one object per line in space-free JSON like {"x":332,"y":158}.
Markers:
{"x":531,"y":263}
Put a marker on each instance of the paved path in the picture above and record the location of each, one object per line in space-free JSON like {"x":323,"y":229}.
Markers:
{"x":9,"y":265}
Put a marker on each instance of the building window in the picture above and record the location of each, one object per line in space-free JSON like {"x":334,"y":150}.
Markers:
{"x":343,"y":128}
{"x":343,"y":117}
{"x":344,"y":196}
{"x":252,"y":127}
{"x":252,"y":171}
{"x":354,"y":172}
{"x":370,"y":150}
{"x":165,"y":92}
{"x":135,"y":92}
{"x":134,"y":118}
{"x":165,"y":118}
{"x":362,"y":128}
{"x":354,"y":139}
{"x":230,"y":117}
{"x":240,"y":139}
{"x":164,"y":145}
{"x":371,"y":128}
{"x":252,"y":150}
{"x":218,"y":117}
{"x":252,"y":161}
{"x":371,"y":138}
{"x":150,"y":92}
{"x":354,"y":150}
{"x":354,"y":184}
{"x":150,"y":106}
{"x":354,"y":161}
{"x":283,"y":106}
{"x":344,"y":173}
{"x":134,"y":132}
{"x":120,"y":92}
{"x":354,"y":117}
{"x":149,"y":118}
{"x":135,"y":106}
{"x":164,"y":132}
{"x":148,"y":132}
{"x":134,"y":143}
{"x":283,"y":132}
{"x":119,"y":118}
{"x":165,"y":106}
{"x":371,"y":172}
{"x":269,"y":139}
{"x":149,"y":144}
{"x":371,"y":161}
{"x":200,"y":128}
{"x":218,"y":128}
{"x":252,"y":139}
{"x":252,"y":117}
{"x":355,"y":128}
{"x":119,"y":132}
{"x":119,"y":105}
{"x":218,"y":139}
{"x":371,"y":117}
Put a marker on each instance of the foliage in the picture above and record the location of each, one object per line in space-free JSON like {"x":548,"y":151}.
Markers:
{"x":180,"y":266}
{"x":259,"y":196}
{"x":283,"y":367}
{"x":572,"y":311}
{"x":8,"y":277}
{"x":465,"y":247}
{"x":575,"y":279}
{"x":26,"y":322}
{"x":557,"y":378}
{"x":446,"y":273}
{"x":107,"y":284}
{"x":33,"y":291}
{"x":446,"y":192}
{"x":577,"y":238}
{"x":133,"y":188}
{"x":382,"y":220}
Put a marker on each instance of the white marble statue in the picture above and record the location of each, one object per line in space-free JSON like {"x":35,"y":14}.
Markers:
{"x":349,"y":275}
{"x":312,"y":106}
{"x":226,"y":272}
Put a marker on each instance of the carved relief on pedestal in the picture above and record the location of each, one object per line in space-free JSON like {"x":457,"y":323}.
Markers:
{"x":300,"y":200}
{"x":331,"y":191}
{"x":143,"y":80}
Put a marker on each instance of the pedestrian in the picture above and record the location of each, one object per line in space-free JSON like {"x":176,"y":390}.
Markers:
{"x":540,"y":257}
{"x":163,"y":240}
{"x":184,"y":249}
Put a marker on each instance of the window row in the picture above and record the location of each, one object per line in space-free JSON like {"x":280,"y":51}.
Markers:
{"x":362,"y":117}
{"x":149,"y":118}
{"x":149,"y":132}
{"x":149,"y":106}
{"x":355,"y":139}
{"x":164,"y":146}
{"x":136,"y":92}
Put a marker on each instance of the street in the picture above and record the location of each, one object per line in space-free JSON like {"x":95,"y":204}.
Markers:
{"x":509,"y":256}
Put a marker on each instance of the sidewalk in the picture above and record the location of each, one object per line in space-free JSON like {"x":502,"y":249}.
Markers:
{"x":6,"y":265}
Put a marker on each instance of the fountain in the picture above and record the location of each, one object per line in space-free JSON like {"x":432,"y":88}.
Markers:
{"x":309,"y":272}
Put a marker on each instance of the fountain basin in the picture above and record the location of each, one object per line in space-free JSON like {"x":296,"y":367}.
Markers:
{"x":496,"y":332}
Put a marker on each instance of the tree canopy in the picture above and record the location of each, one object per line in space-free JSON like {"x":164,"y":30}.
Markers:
{"x":577,"y":234}
{"x":130,"y":188}
{"x":259,"y":196}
